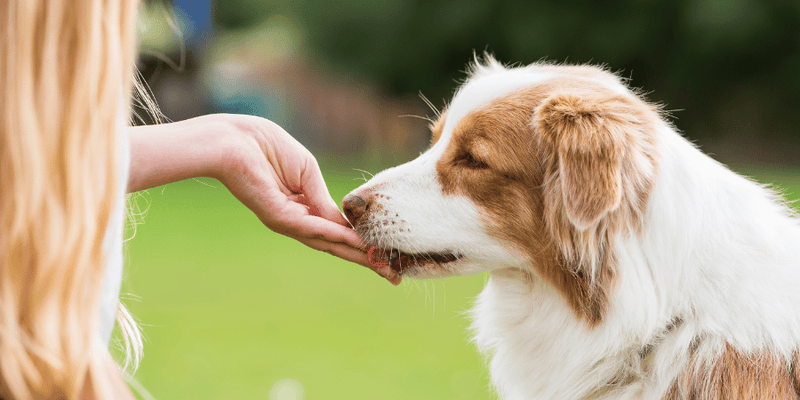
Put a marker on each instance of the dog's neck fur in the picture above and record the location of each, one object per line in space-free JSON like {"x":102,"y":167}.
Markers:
{"x":730,"y":278}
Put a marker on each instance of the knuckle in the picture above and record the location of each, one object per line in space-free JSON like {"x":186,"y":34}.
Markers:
{"x":319,"y":236}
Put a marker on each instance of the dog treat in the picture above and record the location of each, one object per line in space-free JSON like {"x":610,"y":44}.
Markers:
{"x":382,"y":266}
{"x":374,"y":258}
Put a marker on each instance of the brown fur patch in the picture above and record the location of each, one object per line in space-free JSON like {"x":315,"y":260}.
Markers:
{"x":796,"y":373}
{"x":588,"y":145}
{"x":734,"y":375}
{"x":560,"y":168}
{"x":437,"y":126}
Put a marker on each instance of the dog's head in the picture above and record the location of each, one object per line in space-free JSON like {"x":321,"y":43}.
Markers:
{"x":539,"y":168}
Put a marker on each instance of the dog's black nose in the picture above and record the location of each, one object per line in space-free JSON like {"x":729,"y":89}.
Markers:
{"x":354,"y":207}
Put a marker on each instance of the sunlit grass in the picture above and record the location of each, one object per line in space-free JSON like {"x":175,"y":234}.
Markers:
{"x":230,"y":308}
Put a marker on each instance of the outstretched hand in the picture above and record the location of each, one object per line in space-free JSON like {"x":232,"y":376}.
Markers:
{"x":280,"y":181}
{"x":262,"y":165}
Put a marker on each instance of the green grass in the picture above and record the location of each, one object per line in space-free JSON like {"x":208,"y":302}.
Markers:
{"x":230,"y":308}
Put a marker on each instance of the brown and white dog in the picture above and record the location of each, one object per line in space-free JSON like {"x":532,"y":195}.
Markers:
{"x":625,"y":264}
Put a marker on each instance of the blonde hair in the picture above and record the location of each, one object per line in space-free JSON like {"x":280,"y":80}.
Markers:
{"x":66,"y":68}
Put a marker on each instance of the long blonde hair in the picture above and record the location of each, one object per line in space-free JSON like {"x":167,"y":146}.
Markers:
{"x":65,"y":68}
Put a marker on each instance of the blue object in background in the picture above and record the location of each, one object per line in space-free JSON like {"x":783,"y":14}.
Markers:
{"x":196,"y":19}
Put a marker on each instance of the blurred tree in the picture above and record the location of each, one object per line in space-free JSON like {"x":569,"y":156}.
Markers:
{"x":733,"y":64}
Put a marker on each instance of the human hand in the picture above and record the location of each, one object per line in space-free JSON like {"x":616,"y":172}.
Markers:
{"x":280,"y":181}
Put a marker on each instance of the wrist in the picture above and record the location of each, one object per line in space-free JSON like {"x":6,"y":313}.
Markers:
{"x":219,"y":141}
{"x":198,"y":147}
{"x":237,"y":152}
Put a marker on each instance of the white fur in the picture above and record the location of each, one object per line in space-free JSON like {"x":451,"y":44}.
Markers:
{"x":718,"y":251}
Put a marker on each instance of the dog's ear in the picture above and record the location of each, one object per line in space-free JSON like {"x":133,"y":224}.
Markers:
{"x":598,"y":162}
{"x":583,"y":138}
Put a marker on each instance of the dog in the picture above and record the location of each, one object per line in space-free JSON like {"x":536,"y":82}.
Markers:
{"x":625,"y":263}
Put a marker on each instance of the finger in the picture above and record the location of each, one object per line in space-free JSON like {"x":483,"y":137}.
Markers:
{"x":318,"y":196}
{"x":302,"y":199}
{"x":340,"y":250}
{"x":277,"y":181}
{"x":310,"y":226}
{"x":353,"y":255}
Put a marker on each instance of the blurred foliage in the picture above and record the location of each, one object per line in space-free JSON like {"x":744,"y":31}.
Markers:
{"x":731,"y":64}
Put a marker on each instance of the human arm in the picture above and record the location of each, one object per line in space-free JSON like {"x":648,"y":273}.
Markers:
{"x":262,"y":165}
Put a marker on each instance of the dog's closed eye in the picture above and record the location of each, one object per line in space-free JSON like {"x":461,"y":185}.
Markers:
{"x":472,"y":162}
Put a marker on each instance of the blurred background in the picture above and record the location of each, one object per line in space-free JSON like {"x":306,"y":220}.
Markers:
{"x":232,"y":310}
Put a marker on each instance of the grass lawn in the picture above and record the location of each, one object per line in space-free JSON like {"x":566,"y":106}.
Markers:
{"x":233,"y":311}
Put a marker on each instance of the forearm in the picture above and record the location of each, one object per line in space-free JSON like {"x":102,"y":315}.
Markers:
{"x":262,"y":166}
{"x":166,"y":153}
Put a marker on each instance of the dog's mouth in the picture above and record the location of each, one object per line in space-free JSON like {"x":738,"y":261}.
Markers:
{"x":393,"y":263}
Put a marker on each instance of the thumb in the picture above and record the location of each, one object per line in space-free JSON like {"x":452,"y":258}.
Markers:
{"x":318,"y":196}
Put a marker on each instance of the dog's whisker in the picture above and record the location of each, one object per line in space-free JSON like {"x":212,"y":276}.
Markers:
{"x":416,"y":284}
{"x":417,"y":117}
{"x":371,"y":175}
{"x":429,"y":103}
{"x":433,"y":282}
{"x":444,"y":296}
